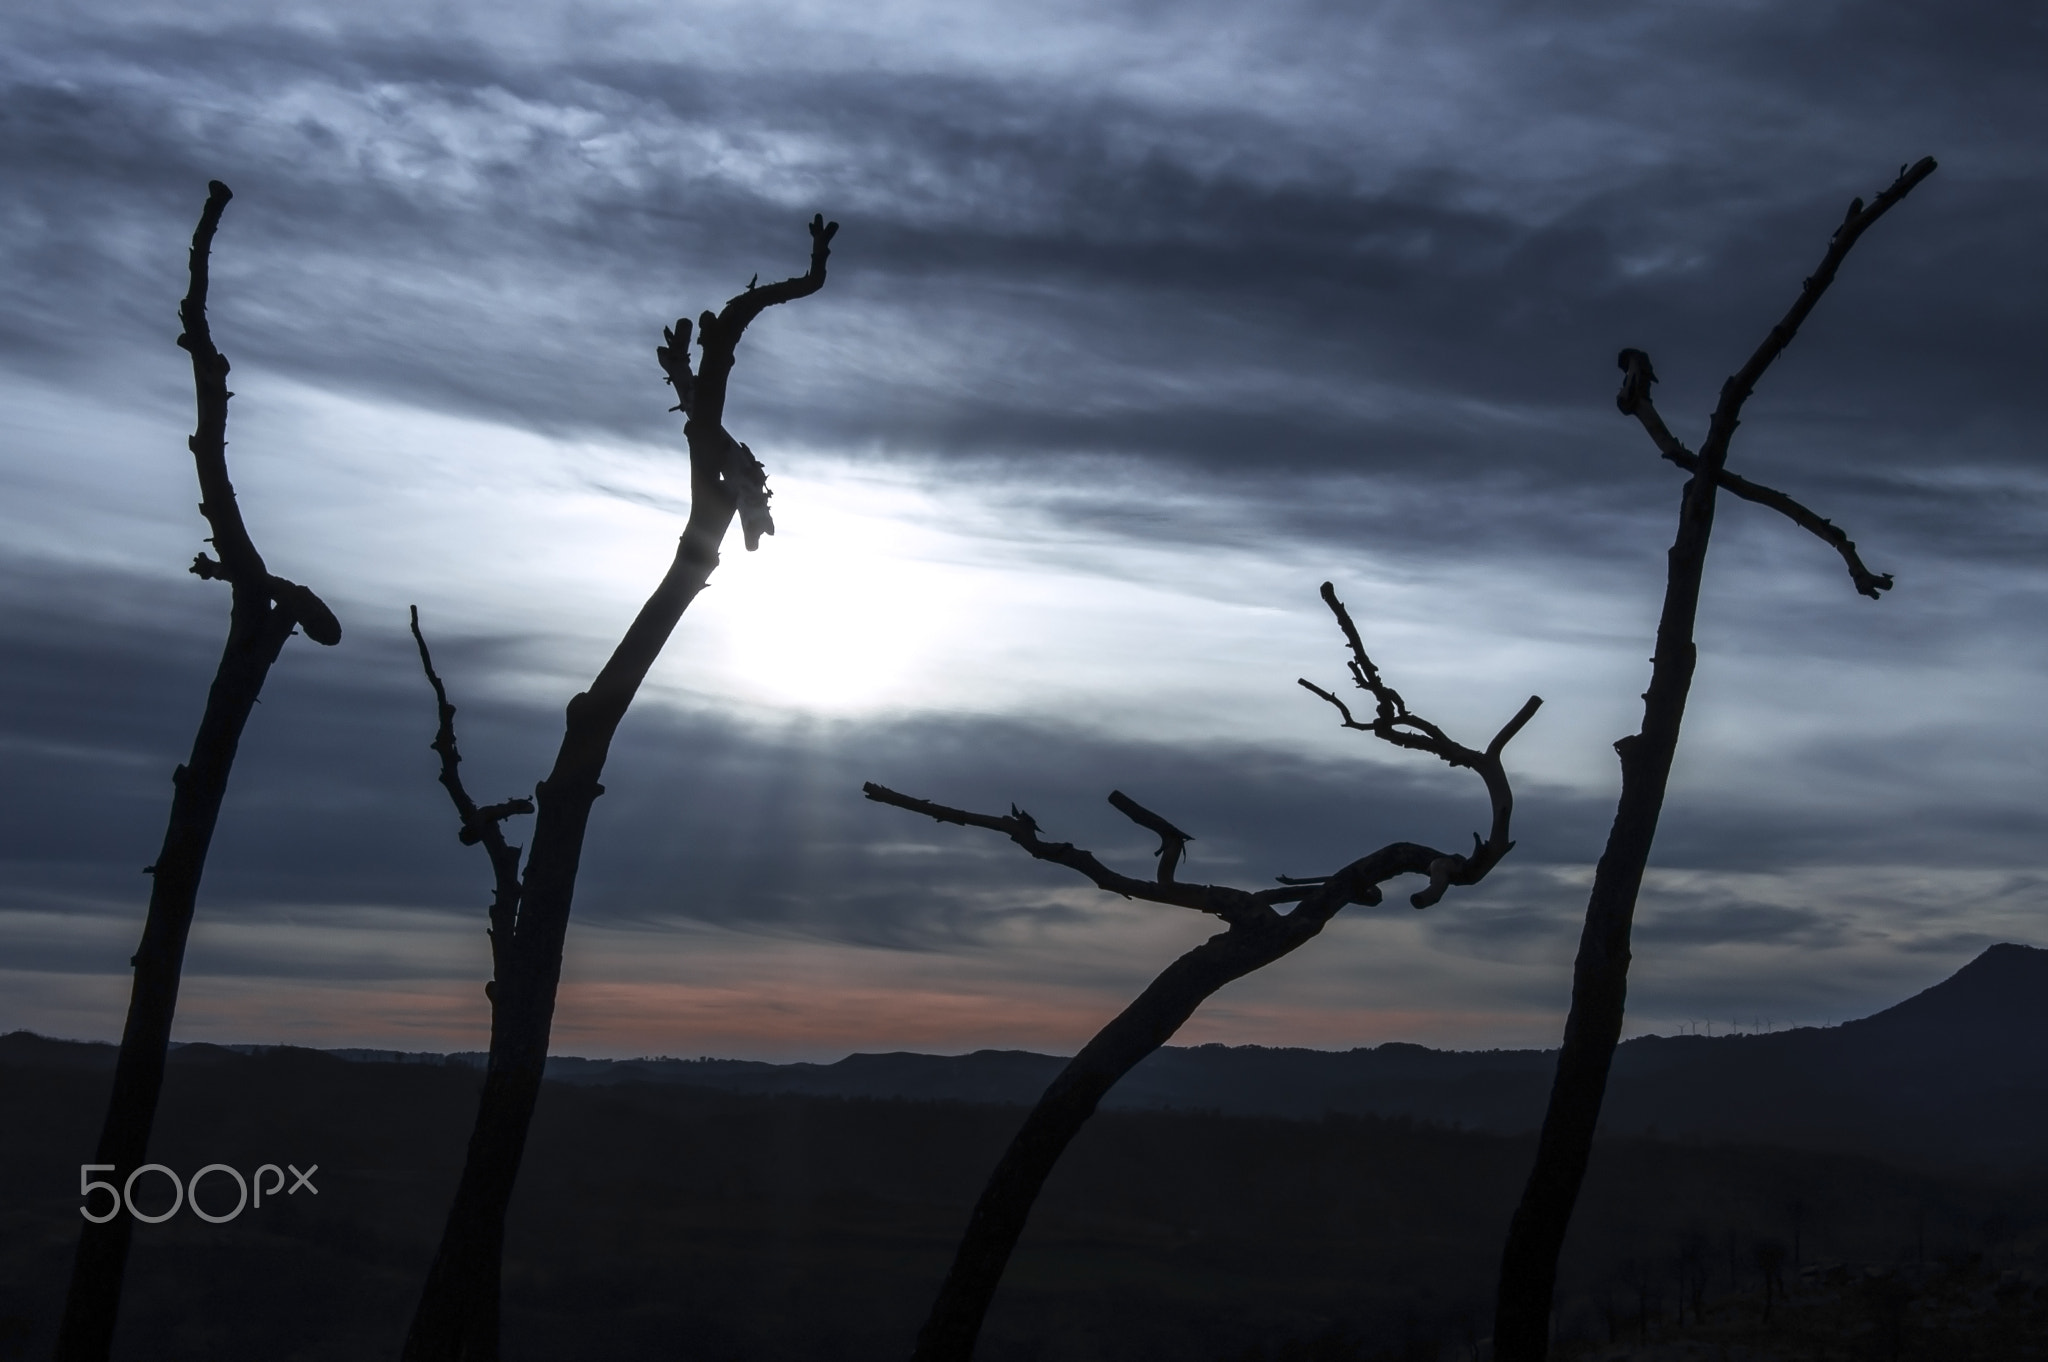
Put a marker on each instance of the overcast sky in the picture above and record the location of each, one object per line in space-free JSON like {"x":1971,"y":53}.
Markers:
{"x":1143,"y":320}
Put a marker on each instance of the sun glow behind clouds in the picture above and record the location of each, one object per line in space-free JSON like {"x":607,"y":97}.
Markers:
{"x":841,"y":609}
{"x":895,"y":588}
{"x":892,"y":586}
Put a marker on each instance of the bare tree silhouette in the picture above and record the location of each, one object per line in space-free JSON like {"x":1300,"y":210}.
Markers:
{"x":457,"y":1317}
{"x":266,"y":611}
{"x":1256,"y":936}
{"x":1600,"y":977}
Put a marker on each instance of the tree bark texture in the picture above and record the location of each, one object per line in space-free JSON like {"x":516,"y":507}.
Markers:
{"x":1257,"y":935}
{"x":265,"y":612}
{"x":1528,"y":1276}
{"x":457,"y":1316}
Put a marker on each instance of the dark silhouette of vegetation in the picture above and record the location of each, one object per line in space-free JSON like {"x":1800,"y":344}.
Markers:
{"x":1256,"y":936}
{"x":1600,"y":976}
{"x":457,"y":1317}
{"x":663,"y":1221}
{"x":266,"y":610}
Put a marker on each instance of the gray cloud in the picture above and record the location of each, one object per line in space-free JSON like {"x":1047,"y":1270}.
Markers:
{"x":1352,"y":285}
{"x":762,"y":828}
{"x":1196,"y":287}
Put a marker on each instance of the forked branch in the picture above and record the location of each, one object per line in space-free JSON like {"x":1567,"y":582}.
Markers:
{"x":1258,"y":935}
{"x":1020,"y":827}
{"x":1394,"y":723}
{"x":457,"y":1316}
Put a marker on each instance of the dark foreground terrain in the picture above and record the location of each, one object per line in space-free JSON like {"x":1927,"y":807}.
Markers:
{"x":1877,"y":1190}
{"x":667,"y":1222}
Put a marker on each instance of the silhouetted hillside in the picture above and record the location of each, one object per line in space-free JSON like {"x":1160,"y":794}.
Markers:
{"x":1953,"y":1079}
{"x":2003,"y":990}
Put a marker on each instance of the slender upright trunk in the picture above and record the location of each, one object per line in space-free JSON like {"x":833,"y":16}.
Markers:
{"x":457,"y":1317}
{"x":458,"y":1311}
{"x":263,"y":616}
{"x":1528,"y":1276}
{"x":1600,"y":977}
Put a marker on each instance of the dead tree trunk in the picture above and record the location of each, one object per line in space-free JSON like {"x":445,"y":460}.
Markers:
{"x":1256,"y":936}
{"x":457,"y":1317}
{"x":265,"y":612}
{"x":1600,"y":978}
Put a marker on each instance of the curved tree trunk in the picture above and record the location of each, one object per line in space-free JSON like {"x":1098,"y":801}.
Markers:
{"x":1257,"y":936}
{"x":263,"y":616}
{"x":999,"y":1216}
{"x":457,"y":1316}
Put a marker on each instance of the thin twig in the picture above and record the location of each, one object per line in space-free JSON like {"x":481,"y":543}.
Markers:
{"x":1402,"y":728}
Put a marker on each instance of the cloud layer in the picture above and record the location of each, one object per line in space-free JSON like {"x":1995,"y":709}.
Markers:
{"x":1142,"y":321}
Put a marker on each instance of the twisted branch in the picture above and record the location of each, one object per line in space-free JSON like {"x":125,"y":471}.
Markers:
{"x":1394,"y":723}
{"x":1257,"y":936}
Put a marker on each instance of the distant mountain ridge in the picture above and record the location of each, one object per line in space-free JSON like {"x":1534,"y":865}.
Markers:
{"x":1955,"y":1077}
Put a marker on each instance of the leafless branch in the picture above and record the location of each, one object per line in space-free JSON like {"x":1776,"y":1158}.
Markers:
{"x":239,"y":564}
{"x":718,"y":333}
{"x":1634,"y":400}
{"x":477,"y":824}
{"x":1257,"y":936}
{"x":1396,"y":724}
{"x":701,"y":397}
{"x":1858,"y":220}
{"x":1173,"y":843}
{"x":1225,"y":902}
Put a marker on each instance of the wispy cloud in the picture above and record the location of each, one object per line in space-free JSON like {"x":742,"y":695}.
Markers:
{"x":1144,"y":320}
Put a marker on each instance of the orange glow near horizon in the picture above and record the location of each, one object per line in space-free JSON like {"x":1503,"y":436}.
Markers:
{"x":778,"y":1021}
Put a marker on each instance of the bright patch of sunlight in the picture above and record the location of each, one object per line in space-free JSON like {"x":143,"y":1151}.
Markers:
{"x":839,"y":611}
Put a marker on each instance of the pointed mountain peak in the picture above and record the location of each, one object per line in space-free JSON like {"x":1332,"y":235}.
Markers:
{"x":2005,"y":988}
